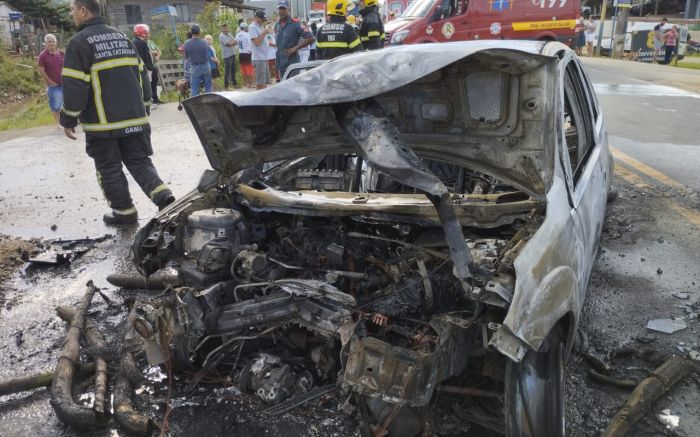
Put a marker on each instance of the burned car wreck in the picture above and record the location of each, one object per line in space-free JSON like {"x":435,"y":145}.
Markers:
{"x":390,"y":225}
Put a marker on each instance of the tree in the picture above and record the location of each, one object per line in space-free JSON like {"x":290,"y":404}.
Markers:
{"x":44,"y":13}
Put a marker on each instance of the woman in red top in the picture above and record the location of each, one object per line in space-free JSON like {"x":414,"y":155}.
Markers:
{"x":671,"y":41}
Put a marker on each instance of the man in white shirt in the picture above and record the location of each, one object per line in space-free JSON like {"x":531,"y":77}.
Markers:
{"x":244,"y":55}
{"x":259,"y":48}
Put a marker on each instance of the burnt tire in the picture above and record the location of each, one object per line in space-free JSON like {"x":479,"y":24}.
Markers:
{"x":535,"y":400}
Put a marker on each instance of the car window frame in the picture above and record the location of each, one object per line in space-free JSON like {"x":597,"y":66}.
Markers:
{"x":573,"y":83}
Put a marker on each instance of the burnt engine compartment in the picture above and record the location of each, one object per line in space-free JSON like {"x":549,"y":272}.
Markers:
{"x":294,"y":305}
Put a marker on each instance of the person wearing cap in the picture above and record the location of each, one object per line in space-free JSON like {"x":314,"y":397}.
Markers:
{"x":258,"y":49}
{"x":290,"y":38}
{"x":244,"y":59}
{"x":228,"y":52}
{"x":197,"y":52}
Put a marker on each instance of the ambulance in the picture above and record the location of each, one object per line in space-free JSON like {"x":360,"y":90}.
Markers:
{"x":426,"y":21}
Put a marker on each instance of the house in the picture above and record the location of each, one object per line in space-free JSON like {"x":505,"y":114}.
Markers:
{"x":124,"y":14}
{"x":6,"y":26}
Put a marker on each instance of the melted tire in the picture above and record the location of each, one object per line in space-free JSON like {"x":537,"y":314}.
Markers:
{"x":534,"y":392}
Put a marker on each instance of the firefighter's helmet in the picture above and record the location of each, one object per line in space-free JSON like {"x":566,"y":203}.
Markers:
{"x":369,"y":3}
{"x":142,"y":30}
{"x":338,"y":8}
{"x":352,"y":19}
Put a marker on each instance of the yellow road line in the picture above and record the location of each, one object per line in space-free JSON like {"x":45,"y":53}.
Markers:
{"x":690,"y":215}
{"x":645,"y":169}
{"x":630,"y":176}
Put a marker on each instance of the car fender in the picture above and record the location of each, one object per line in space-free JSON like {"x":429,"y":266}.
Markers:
{"x":526,"y":326}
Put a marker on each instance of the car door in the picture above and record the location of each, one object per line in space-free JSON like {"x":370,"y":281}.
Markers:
{"x":586,"y":161}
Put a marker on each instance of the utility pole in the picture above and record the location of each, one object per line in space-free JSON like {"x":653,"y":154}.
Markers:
{"x":602,"y":24}
{"x":618,"y":48}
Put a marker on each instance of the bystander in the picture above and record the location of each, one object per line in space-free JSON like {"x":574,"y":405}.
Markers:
{"x":50,"y":66}
{"x":155,"y":74}
{"x":244,"y":59}
{"x":213,"y":59}
{"x":197,"y":52}
{"x":290,"y":37}
{"x":658,"y":38}
{"x":259,"y":46}
{"x":228,"y":52}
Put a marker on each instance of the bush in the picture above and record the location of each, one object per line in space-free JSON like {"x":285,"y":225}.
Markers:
{"x":14,"y":77}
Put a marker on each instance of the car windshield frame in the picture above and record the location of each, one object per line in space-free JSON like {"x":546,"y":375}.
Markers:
{"x":418,"y":9}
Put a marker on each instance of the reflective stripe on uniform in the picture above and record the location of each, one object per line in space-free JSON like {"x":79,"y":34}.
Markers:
{"x":70,"y":113}
{"x":332,"y":45}
{"x":75,"y":74}
{"x":127,"y":211}
{"x":354,"y":44}
{"x":113,"y":63}
{"x":99,"y":182}
{"x":373,"y":33}
{"x":97,"y":88}
{"x":95,"y":127}
{"x":363,"y":38}
{"x":156,"y":190}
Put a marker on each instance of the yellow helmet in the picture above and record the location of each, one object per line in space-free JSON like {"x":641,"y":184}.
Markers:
{"x":352,"y":19}
{"x":369,"y":3}
{"x":337,"y":7}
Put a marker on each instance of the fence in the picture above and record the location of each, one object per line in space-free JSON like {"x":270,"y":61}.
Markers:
{"x":170,"y":72}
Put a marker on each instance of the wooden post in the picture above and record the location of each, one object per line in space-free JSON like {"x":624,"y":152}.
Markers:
{"x":603,"y":10}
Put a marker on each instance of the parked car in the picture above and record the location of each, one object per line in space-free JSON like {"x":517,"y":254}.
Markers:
{"x":388,"y":225}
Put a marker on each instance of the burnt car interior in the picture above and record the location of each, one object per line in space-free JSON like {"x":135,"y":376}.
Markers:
{"x":365,"y":247}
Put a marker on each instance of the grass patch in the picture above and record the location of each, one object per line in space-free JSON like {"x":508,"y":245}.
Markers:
{"x":36,"y":114}
{"x":14,"y":77}
{"x":691,"y":65}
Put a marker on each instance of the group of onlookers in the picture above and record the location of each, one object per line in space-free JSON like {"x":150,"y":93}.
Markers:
{"x":665,"y":40}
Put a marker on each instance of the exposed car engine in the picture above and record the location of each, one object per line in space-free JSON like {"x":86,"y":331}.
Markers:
{"x":295,"y":302}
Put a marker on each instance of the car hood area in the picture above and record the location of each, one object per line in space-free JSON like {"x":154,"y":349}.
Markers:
{"x":479,"y":104}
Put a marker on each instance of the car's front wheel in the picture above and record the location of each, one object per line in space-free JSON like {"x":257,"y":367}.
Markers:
{"x":535,"y":402}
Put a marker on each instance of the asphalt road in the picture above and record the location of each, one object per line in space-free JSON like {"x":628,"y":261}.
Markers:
{"x":648,"y":250}
{"x":652,"y":113}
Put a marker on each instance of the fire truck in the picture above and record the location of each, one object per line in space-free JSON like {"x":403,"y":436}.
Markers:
{"x":462,"y":20}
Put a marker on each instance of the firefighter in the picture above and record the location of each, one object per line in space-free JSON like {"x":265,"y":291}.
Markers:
{"x":106,"y":87}
{"x":336,"y":37}
{"x":141,"y":35}
{"x":372,"y":28}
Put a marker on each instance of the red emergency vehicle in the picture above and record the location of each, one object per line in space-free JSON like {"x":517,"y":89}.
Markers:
{"x":463,"y":20}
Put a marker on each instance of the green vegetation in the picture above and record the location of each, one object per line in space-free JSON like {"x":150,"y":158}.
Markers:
{"x":36,"y":114}
{"x":20,"y":78}
{"x":688,"y":64}
{"x":44,"y":12}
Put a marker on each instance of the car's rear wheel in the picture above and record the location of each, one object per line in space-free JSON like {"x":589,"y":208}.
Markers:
{"x":535,"y":402}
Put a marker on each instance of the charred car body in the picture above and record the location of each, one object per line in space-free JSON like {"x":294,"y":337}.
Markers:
{"x":391,"y":223}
